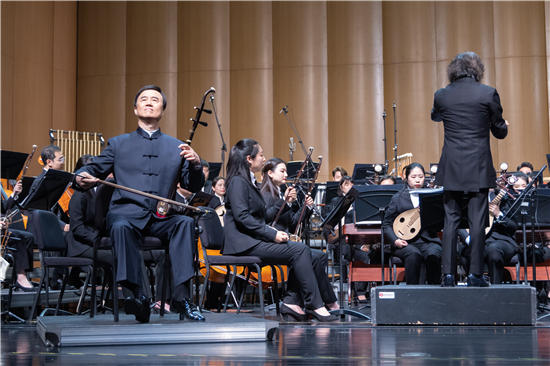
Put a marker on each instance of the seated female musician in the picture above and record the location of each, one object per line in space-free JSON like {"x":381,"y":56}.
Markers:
{"x":273,"y":176}
{"x":218,"y":189}
{"x":426,"y":245}
{"x":246,"y":233}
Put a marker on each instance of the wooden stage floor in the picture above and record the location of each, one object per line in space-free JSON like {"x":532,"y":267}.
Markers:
{"x":350,"y":342}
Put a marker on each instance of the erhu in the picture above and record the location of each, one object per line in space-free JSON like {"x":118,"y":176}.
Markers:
{"x":4,"y":264}
{"x":163,"y":207}
{"x":296,"y":236}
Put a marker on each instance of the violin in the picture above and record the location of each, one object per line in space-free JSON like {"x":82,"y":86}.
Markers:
{"x":163,"y":208}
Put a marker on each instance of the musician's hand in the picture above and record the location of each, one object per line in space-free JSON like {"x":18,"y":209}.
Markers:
{"x":189,"y":154}
{"x":66,"y":228}
{"x":309,"y":201}
{"x":281,"y":237}
{"x":85,"y":180}
{"x":17,"y":189}
{"x":494,"y":209}
{"x":2,"y":224}
{"x":401,"y":243}
{"x":507,"y":123}
{"x":290,"y":195}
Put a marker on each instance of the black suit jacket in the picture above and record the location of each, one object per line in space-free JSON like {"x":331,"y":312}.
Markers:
{"x":469,"y":110}
{"x":401,"y":202}
{"x":245,"y":225}
{"x":207,"y":188}
{"x":83,"y":231}
{"x":148,"y":164}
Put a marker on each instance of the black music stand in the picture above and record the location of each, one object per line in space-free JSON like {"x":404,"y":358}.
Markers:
{"x":27,"y":184}
{"x":333,"y":219}
{"x":366,"y":172}
{"x":214,"y":170}
{"x":527,"y":200}
{"x":293,"y":167}
{"x":48,"y":191}
{"x":370,"y":206}
{"x":12,"y":163}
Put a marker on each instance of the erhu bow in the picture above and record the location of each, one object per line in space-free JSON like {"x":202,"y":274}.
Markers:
{"x":296,"y":236}
{"x":163,"y":206}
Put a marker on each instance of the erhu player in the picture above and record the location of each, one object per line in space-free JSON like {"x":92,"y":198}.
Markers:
{"x":147,"y":160}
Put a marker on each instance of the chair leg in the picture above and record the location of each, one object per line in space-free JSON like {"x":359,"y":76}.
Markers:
{"x":93,"y":309}
{"x":37,"y":295}
{"x":276,"y":288}
{"x":260,"y":290}
{"x":228,"y":296}
{"x":60,"y":298}
{"x":243,"y":292}
{"x":165,"y":278}
{"x":203,"y":292}
{"x":517,"y":273}
{"x":115,"y":288}
{"x":89,"y":272}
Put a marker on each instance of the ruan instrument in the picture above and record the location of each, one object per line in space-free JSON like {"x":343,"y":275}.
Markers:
{"x":304,"y":164}
{"x":377,"y":171}
{"x":296,"y":236}
{"x":433,"y":170}
{"x":163,"y":207}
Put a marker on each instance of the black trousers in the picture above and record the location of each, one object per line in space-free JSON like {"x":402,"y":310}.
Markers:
{"x":24,"y":246}
{"x":177,"y":231}
{"x":497,"y":254}
{"x":412,"y":256}
{"x":478,"y":216}
{"x":303,"y":275}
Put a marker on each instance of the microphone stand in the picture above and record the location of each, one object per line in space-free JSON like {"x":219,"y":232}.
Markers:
{"x":395,"y":137}
{"x":385,"y":142}
{"x":294,"y":129}
{"x":224,"y":146}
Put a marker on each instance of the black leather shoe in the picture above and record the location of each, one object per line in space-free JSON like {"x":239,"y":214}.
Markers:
{"x":447,"y":280}
{"x":138,"y":307}
{"x":25,"y":289}
{"x":285,"y":310}
{"x":478,"y":280}
{"x":322,"y":318}
{"x":187,"y":310}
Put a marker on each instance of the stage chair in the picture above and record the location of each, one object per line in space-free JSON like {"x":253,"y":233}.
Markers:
{"x":395,"y":261}
{"x":103,"y":241}
{"x":7,"y":314}
{"x":49,"y":238}
{"x":212,"y":237}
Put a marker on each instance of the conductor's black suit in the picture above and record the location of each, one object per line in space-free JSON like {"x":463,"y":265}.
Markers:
{"x":469,"y":110}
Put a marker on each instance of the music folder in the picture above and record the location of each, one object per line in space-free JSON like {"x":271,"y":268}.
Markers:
{"x":370,"y":200}
{"x":340,"y":210}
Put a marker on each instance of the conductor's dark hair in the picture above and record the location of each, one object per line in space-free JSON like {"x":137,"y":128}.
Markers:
{"x":237,"y":165}
{"x":525,"y":164}
{"x":151,"y":87}
{"x":49,"y":153}
{"x":267,"y":183}
{"x":466,"y":65}
{"x":82,"y":161}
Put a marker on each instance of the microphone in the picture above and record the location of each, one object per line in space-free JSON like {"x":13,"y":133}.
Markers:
{"x":284,"y":109}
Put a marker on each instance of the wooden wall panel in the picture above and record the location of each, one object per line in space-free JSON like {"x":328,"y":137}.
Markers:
{"x":251,"y":74}
{"x":101,"y":88}
{"x":520,"y":52}
{"x":300,"y":77}
{"x":203,"y":62}
{"x":151,"y":57}
{"x":33,"y":76}
{"x":410,"y":73}
{"x":355,"y":83}
{"x":6,"y":102}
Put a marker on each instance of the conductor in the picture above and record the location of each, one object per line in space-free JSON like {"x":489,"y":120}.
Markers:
{"x":469,"y":110}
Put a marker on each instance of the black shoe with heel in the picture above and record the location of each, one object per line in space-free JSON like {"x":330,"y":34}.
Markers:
{"x":477,"y":280}
{"x":447,"y":280}
{"x":25,"y":289}
{"x":187,"y":310}
{"x":322,"y":318}
{"x":138,"y":307}
{"x":287,"y":311}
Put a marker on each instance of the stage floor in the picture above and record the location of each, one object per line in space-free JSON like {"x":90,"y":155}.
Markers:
{"x":350,"y":342}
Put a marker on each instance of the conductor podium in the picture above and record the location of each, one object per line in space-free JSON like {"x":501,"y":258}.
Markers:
{"x":435,"y":305}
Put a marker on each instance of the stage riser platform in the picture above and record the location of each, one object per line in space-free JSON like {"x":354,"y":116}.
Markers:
{"x":103,"y":331}
{"x":435,"y":305}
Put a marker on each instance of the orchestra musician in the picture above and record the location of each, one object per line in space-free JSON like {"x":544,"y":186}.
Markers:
{"x":148,"y":160}
{"x":274,"y":175}
{"x":218,"y":187}
{"x":387,"y":180}
{"x":246,"y":232}
{"x":338,"y":173}
{"x":426,"y":245}
{"x":469,"y":110}
{"x":21,"y":240}
{"x":525,"y":167}
{"x":207,"y":188}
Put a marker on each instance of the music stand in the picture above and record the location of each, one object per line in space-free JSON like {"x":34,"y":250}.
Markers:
{"x":365,"y":172}
{"x":214,"y":170}
{"x":371,"y":205}
{"x":48,"y":191}
{"x":334,"y":218}
{"x":293,"y":167}
{"x":27,"y":184}
{"x":12,"y":163}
